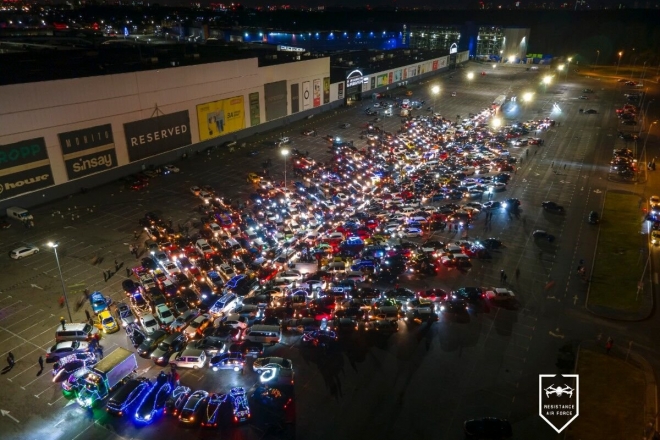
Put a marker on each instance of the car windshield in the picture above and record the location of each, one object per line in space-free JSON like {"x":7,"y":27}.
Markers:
{"x":150,"y":323}
{"x":165,"y":313}
{"x":108,"y":321}
{"x":163,"y":346}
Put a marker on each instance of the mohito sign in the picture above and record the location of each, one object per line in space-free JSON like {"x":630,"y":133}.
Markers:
{"x":355,"y":78}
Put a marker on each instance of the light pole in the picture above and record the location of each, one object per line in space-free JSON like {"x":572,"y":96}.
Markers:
{"x":285,"y":153}
{"x":561,"y":67}
{"x":618,"y":64}
{"x":568,"y":67}
{"x":597,"y":56}
{"x":435,"y":90}
{"x":632,"y":70}
{"x":546,"y":80}
{"x":643,"y":153}
{"x":59,"y":268}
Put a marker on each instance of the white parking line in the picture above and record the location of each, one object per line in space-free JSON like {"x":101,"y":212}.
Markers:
{"x":28,"y":317}
{"x":17,"y":311}
{"x":12,"y":305}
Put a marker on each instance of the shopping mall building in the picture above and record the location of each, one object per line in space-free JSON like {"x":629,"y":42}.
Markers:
{"x":57,"y":137}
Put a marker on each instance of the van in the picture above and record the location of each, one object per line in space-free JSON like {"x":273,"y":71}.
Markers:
{"x":19,"y":213}
{"x":189,"y":358}
{"x":76,"y":332}
{"x":266,"y":334}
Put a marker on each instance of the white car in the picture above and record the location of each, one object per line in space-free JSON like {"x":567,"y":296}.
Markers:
{"x":206,"y":196}
{"x":165,"y":315}
{"x":291,"y":275}
{"x":236,"y":321}
{"x":499,"y":294}
{"x":284,"y":140}
{"x":57,"y":351}
{"x":203,"y":247}
{"x":216,"y":229}
{"x":345,"y":125}
{"x":171,"y":268}
{"x":198,"y":322}
{"x":149,"y":323}
{"x":23,"y":251}
{"x":171,"y":168}
{"x":273,"y":366}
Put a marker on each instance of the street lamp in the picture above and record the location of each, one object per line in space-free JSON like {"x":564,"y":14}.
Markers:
{"x":435,"y":90}
{"x":597,"y":56}
{"x":512,"y":59}
{"x":470,"y":77}
{"x":285,"y":153}
{"x":527,"y":97}
{"x":59,"y":268}
{"x":497,"y":122}
{"x":618,"y":64}
{"x":546,"y":80}
{"x":568,"y":67}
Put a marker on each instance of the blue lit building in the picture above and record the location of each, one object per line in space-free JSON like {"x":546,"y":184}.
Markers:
{"x":326,"y":41}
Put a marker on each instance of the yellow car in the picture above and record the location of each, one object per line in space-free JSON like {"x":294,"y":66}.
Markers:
{"x":409,"y":93}
{"x":253,"y":178}
{"x":107,"y":322}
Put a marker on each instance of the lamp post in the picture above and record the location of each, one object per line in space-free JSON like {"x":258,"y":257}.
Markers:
{"x":546,"y":80}
{"x":568,"y":67}
{"x":435,"y":90}
{"x":597,"y":56}
{"x":643,"y":153}
{"x":59,"y":268}
{"x":618,"y":64}
{"x":470,"y":77}
{"x":285,"y":153}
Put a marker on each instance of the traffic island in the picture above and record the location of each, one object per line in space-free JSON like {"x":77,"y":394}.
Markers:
{"x":617,"y":396}
{"x":618,"y":288}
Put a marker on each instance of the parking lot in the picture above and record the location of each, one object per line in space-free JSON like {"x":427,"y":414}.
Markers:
{"x":485,"y":365}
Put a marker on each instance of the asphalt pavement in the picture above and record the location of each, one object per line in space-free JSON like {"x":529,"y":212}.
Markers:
{"x":423,"y":381}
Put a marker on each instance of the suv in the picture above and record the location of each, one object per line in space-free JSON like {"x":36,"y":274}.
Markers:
{"x":552,"y":206}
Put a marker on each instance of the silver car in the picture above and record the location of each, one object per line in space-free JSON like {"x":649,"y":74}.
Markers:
{"x":23,"y":251}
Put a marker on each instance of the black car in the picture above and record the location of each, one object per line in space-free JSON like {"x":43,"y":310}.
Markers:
{"x":248,"y":348}
{"x":512,"y":204}
{"x":130,"y":287}
{"x":135,"y":335}
{"x":227,"y":361}
{"x":319,"y":338}
{"x":211,"y":345}
{"x":419,"y":316}
{"x":552,"y":207}
{"x":491,"y":243}
{"x":180,"y":306}
{"x":593,"y":218}
{"x":590,"y":111}
{"x":455,"y":307}
{"x":472,"y":294}
{"x":127,"y":396}
{"x":488,"y":428}
{"x":151,"y":342}
{"x":170,"y":345}
{"x":539,"y":233}
{"x":192,"y":409}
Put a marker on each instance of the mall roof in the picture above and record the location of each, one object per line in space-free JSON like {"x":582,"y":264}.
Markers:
{"x":53,"y":58}
{"x":372,"y":61}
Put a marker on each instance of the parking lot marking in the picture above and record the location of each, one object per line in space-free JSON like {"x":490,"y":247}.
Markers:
{"x":17,"y":311}
{"x":12,"y":305}
{"x":28,"y":341}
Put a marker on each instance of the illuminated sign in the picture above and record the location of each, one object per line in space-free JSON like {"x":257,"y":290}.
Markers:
{"x":453,"y":48}
{"x":290,"y":49}
{"x":355,"y":78}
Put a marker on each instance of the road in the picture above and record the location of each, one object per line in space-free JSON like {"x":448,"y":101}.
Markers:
{"x":422,"y":381}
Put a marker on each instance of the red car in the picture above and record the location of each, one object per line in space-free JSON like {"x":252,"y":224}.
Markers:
{"x":138,"y":185}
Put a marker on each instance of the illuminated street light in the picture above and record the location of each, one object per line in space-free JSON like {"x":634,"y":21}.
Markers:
{"x":470,"y":75}
{"x":497,"y":122}
{"x":435,"y":90}
{"x":618,"y":64}
{"x":512,"y":59}
{"x":285,"y":153}
{"x":560,"y":67}
{"x":546,"y":80}
{"x":494,"y":66}
{"x":59,"y":268}
{"x":528,"y":96}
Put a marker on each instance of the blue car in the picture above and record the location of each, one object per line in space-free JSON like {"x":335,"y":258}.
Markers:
{"x":240,"y":407}
{"x":154,"y":400}
{"x":214,"y":410}
{"x":99,"y":302}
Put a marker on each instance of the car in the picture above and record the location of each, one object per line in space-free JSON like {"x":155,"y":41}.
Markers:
{"x":253,"y":178}
{"x":164,"y":314}
{"x":211,"y":345}
{"x":197,"y":326}
{"x":68,"y":365}
{"x":214,"y":411}
{"x":411,"y":232}
{"x":248,"y":348}
{"x":583,"y":97}
{"x":629,"y":122}
{"x":99,"y":302}
{"x":240,"y":406}
{"x":177,"y":400}
{"x":491,"y":243}
{"x":552,"y":207}
{"x":154,"y":400}
{"x":183,"y":320}
{"x":149,"y":323}
{"x":150,"y":343}
{"x":169,"y":168}
{"x":591,"y":111}
{"x":61,"y":349}
{"x":540,"y":233}
{"x":272,"y":368}
{"x":125,"y":314}
{"x":309,"y":132}
{"x":655,"y":237}
{"x":126,"y":397}
{"x":345,"y":125}
{"x":107,"y":322}
{"x":165,"y":349}
{"x":23,"y":251}
{"x":227,"y":361}
{"x":139,"y":305}
{"x":487,"y":428}
{"x":192,"y":410}
{"x":319,"y":338}
{"x":500,"y":294}
{"x":492,"y":205}
{"x":593,"y":218}
{"x":195,"y":190}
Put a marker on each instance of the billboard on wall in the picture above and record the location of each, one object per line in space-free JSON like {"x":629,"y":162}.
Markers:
{"x":326,"y":90}
{"x":24,"y":167}
{"x":295,"y":98}
{"x":88,"y":151}
{"x":373,"y":82}
{"x":434,"y":66}
{"x":390,"y":78}
{"x":276,"y":100}
{"x":405,"y":73}
{"x":220,"y":117}
{"x":340,"y":90}
{"x":442,"y":62}
{"x":255,"y":109}
{"x":307,"y":95}
{"x":317,"y":92}
{"x":381,"y":80}
{"x":397,"y":75}
{"x":152,"y":136}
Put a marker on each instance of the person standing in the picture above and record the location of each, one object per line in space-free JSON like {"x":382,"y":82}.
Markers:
{"x":10,"y":360}
{"x":608,"y":345}
{"x":63,"y":322}
{"x":128,"y":272}
{"x":41,"y":364}
{"x":116,"y":265}
{"x":105,"y":276}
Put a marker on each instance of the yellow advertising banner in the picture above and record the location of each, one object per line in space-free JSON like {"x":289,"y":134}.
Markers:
{"x":218,"y":118}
